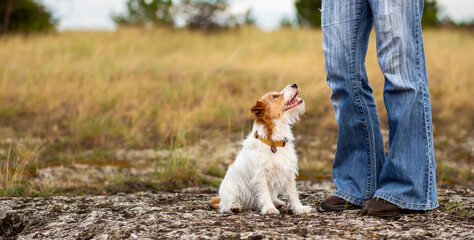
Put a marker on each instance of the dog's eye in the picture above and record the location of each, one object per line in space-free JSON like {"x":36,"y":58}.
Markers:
{"x":275,"y":96}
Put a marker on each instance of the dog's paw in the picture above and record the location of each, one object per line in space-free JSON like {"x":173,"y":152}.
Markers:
{"x":278,"y":203}
{"x":235,"y":208}
{"x":302,"y":210}
{"x":271,"y":211}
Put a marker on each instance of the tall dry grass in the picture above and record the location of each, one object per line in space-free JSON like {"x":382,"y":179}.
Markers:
{"x":13,"y":179}
{"x":136,"y":87}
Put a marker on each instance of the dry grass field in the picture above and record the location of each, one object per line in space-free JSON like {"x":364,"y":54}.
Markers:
{"x":79,"y":96}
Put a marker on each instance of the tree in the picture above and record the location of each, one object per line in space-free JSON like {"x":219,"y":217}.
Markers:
{"x":249,"y":19}
{"x":207,"y":15}
{"x":430,"y":14}
{"x":140,"y":12}
{"x":285,"y":22}
{"x":7,"y":11}
{"x":307,"y":13}
{"x":25,"y":16}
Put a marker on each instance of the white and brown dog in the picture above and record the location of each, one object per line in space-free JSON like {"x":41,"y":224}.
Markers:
{"x":267,"y":165}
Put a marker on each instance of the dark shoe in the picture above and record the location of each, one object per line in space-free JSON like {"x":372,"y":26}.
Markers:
{"x":380,"y":208}
{"x":334,"y":203}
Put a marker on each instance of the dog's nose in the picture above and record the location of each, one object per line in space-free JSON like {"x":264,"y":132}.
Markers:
{"x":294,"y":85}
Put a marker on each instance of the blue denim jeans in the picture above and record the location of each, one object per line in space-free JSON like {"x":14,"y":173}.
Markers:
{"x":361,"y":170}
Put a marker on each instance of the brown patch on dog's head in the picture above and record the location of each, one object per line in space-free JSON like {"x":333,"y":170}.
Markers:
{"x":267,"y":108}
{"x":274,"y":105}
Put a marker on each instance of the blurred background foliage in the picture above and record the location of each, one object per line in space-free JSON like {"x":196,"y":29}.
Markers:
{"x":25,"y":16}
{"x":197,"y":15}
{"x":141,"y":12}
{"x":307,"y":14}
{"x":430,"y":14}
{"x":117,"y":98}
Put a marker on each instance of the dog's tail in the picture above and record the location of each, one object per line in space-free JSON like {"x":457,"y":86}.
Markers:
{"x":215,"y":202}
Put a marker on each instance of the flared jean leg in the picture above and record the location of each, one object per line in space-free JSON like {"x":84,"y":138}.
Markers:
{"x":346,"y":26}
{"x":407,"y":177}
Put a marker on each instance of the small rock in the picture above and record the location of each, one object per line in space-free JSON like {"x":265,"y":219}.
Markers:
{"x":4,"y":209}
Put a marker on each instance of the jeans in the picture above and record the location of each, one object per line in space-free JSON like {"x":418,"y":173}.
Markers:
{"x":361,"y":170}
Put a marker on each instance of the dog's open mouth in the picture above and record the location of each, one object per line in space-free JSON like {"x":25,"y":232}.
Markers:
{"x":295,"y":101}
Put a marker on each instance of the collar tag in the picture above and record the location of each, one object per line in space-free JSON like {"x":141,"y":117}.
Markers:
{"x":274,"y":149}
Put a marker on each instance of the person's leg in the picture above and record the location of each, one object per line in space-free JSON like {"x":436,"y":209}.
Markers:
{"x":407,"y":178}
{"x":346,"y":26}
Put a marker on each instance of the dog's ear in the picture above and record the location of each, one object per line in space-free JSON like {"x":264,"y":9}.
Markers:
{"x":259,"y":108}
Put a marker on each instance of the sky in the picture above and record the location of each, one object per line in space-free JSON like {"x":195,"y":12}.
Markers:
{"x":96,"y":14}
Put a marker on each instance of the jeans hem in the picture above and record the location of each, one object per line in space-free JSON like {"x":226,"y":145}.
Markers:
{"x":407,"y":205}
{"x":349,"y":198}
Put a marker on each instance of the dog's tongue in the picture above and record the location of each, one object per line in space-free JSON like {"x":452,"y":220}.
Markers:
{"x":292,"y":104}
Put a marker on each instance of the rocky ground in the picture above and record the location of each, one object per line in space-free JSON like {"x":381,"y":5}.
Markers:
{"x":187,"y":215}
{"x":135,"y":211}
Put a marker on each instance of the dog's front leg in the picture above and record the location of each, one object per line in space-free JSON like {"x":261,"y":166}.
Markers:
{"x":263,"y":194}
{"x":294,"y":199}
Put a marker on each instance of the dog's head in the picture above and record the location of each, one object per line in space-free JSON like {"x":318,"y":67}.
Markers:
{"x":284,"y":106}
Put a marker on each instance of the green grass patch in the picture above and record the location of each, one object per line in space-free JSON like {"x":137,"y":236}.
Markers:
{"x":216,"y":172}
{"x":210,"y":181}
{"x":177,"y":171}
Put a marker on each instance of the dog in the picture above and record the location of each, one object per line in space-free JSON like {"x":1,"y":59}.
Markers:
{"x":267,"y":165}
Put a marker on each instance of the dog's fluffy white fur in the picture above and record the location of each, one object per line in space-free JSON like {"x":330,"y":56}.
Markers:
{"x":257,"y":176}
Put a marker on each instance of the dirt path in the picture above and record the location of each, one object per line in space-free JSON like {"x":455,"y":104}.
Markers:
{"x":186,"y":215}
